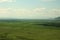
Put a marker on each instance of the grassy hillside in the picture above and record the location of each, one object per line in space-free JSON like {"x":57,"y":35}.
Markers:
{"x":28,"y":30}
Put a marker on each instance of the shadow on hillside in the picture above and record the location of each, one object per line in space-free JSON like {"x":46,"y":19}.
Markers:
{"x":50,"y":24}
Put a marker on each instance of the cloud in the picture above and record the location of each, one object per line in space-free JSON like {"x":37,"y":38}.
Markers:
{"x":6,"y":13}
{"x":54,"y":12}
{"x":1,"y":1}
{"x":36,"y":13}
{"x":48,"y":0}
{"x":39,"y":10}
{"x":4,"y":10}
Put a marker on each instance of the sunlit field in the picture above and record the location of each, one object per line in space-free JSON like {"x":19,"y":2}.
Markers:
{"x":28,"y":30}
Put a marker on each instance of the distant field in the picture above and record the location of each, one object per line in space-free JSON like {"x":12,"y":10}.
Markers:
{"x":25,"y":30}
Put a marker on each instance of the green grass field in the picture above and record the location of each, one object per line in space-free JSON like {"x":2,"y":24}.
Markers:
{"x":28,"y":31}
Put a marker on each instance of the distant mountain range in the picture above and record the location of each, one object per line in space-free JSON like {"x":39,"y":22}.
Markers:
{"x":58,"y":18}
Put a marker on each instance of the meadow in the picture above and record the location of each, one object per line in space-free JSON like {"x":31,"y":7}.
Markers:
{"x":28,"y":30}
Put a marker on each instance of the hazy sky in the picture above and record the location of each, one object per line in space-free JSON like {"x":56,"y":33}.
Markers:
{"x":29,"y":9}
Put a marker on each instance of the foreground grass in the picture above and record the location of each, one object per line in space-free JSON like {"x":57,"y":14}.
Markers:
{"x":27,"y":31}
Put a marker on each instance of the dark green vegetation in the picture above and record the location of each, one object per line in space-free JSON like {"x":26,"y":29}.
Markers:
{"x":29,"y":30}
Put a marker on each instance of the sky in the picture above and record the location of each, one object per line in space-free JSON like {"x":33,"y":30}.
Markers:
{"x":29,"y":9}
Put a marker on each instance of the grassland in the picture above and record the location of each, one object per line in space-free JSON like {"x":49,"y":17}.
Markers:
{"x":27,"y":30}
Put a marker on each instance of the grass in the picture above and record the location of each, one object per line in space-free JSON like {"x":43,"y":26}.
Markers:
{"x":27,"y":31}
